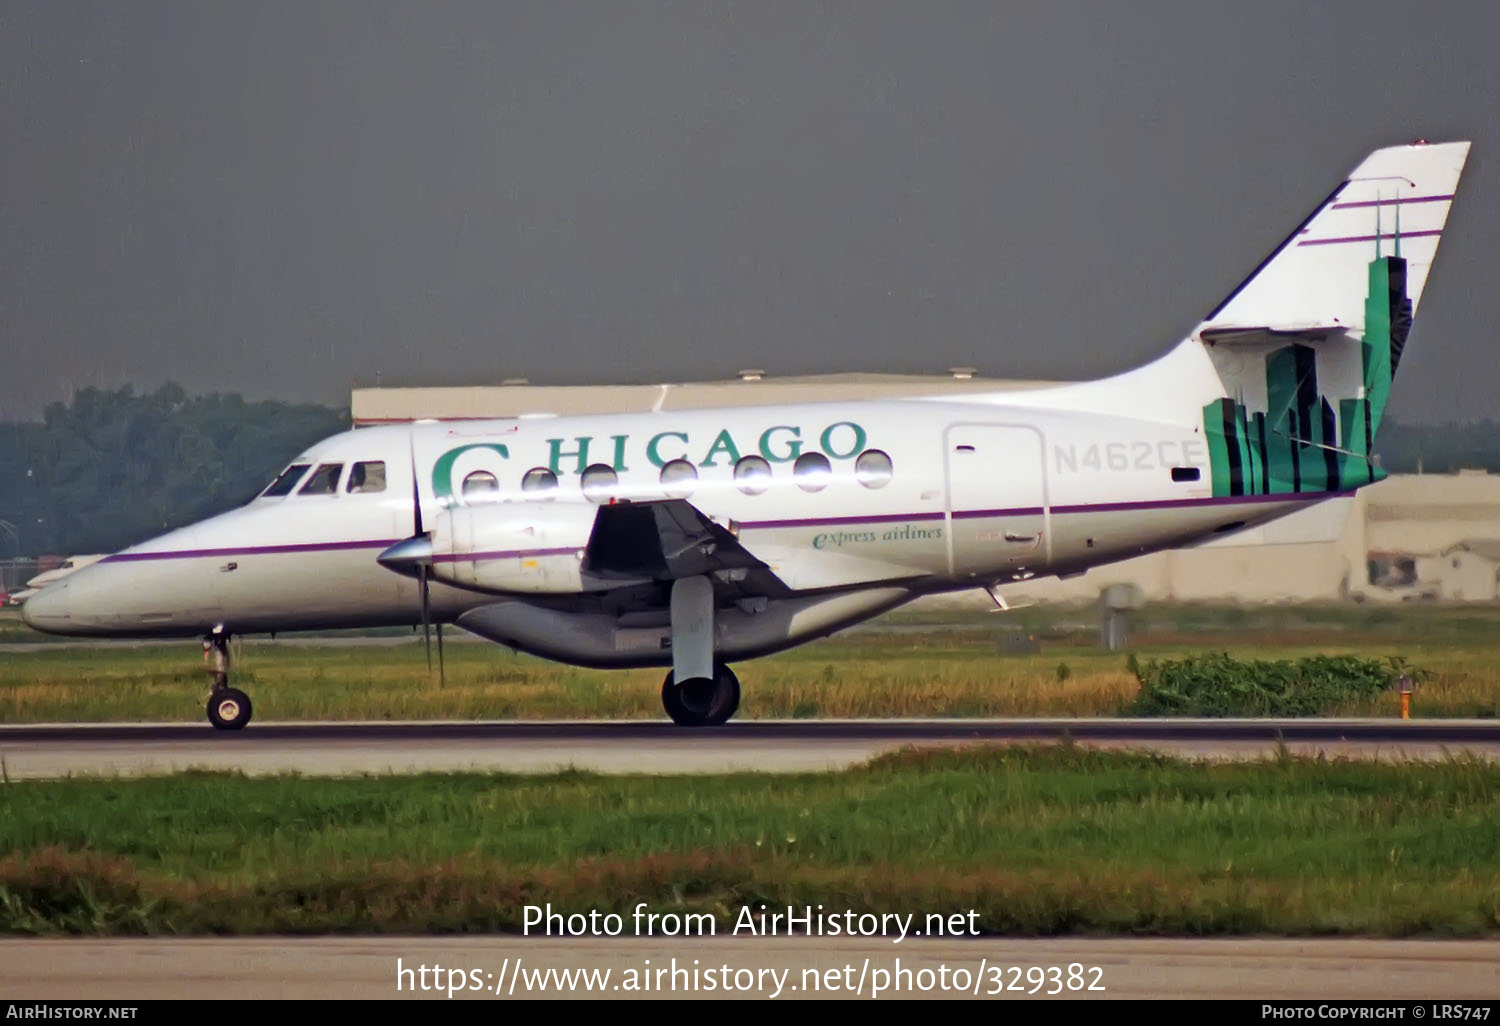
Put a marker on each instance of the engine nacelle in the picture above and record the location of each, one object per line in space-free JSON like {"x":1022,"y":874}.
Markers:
{"x":515,"y":548}
{"x":741,"y":631}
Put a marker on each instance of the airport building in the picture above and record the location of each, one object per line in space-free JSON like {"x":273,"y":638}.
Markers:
{"x":1409,"y":537}
{"x":518,"y":398}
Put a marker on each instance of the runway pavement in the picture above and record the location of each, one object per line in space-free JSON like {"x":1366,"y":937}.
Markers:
{"x":1310,"y":971}
{"x":54,"y":750}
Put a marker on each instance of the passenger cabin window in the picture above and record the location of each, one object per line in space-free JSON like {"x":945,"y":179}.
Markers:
{"x":598,"y":481}
{"x":812,"y":471}
{"x":481,"y":486}
{"x":286,"y":481}
{"x":367,"y":476}
{"x":752,"y":475}
{"x":539,"y":481}
{"x":324,"y":480}
{"x":679,"y":478}
{"x":873,"y":468}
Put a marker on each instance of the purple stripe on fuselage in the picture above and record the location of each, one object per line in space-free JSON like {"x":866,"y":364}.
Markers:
{"x":1369,"y":238}
{"x":1023,"y":511}
{"x":875,"y":518}
{"x":1393,"y":202}
{"x":251,"y":550}
{"x":1222,"y":500}
{"x":474,"y":557}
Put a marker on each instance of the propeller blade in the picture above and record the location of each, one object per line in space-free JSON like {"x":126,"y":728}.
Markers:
{"x":416,"y":496}
{"x":414,"y":550}
{"x":426,"y":617}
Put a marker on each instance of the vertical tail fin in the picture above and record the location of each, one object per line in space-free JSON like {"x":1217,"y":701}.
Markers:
{"x":1306,"y":347}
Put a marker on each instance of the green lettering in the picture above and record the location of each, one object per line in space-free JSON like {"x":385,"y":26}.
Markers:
{"x":651,"y":451}
{"x":581,"y":453}
{"x":619,"y":451}
{"x":793,"y":447}
{"x":724,"y":444}
{"x":442,"y":470}
{"x":827,"y":439}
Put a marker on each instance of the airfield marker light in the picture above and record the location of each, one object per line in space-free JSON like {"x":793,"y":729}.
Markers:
{"x":1404,"y":682}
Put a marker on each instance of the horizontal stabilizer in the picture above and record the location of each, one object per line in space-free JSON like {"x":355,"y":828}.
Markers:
{"x":1246,"y":334}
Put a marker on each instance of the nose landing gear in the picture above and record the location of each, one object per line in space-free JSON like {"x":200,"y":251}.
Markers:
{"x":228,"y":708}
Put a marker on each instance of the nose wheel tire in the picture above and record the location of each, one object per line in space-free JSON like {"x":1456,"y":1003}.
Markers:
{"x":229,"y":709}
{"x":702,"y":701}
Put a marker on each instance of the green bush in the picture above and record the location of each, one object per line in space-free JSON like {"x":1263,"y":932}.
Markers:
{"x":1216,"y":685}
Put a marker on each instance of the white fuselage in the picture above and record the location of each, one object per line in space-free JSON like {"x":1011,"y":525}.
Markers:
{"x":958,"y":495}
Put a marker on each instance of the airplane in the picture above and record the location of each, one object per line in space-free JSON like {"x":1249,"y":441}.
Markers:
{"x":691,"y":539}
{"x":57,"y":573}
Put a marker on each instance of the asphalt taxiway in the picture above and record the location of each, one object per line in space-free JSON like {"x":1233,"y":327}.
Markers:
{"x":336,"y":749}
{"x":1318,"y":970}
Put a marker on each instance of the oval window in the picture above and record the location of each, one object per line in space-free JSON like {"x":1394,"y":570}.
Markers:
{"x":679,"y":478}
{"x":599,"y":480}
{"x":873,"y":469}
{"x":539,"y":481}
{"x":752,"y":475}
{"x":812,"y":471}
{"x":481,"y":486}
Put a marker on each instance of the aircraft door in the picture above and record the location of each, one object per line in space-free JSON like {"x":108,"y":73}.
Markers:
{"x":998,"y":518}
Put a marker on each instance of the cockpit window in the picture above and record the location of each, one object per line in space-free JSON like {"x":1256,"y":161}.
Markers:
{"x":367,"y":476}
{"x":324,"y":480}
{"x":286,"y":481}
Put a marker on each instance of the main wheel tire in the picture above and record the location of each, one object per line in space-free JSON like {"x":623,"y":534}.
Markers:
{"x":229,"y":709}
{"x":702,"y":702}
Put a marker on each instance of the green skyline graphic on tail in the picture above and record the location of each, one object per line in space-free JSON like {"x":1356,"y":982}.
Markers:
{"x":1298,"y":444}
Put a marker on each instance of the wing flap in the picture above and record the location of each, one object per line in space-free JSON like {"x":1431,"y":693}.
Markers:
{"x":662,"y":540}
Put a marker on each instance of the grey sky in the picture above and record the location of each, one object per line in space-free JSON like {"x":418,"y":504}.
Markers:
{"x":283,"y":198}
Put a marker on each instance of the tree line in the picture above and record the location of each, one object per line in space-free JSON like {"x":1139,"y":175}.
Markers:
{"x":111,"y":468}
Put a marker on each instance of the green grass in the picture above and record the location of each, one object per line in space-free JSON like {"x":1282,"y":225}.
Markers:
{"x":904,"y":665}
{"x":1036,"y":840}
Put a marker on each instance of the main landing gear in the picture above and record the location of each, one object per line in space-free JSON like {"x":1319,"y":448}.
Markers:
{"x":702,"y":701}
{"x":700,"y":691}
{"x":228,"y":708}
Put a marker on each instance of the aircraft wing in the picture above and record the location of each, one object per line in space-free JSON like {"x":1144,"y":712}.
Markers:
{"x":671,"y":538}
{"x":664,"y":540}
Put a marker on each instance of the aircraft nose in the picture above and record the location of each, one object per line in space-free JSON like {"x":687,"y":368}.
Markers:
{"x":49,"y":609}
{"x":85,"y":603}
